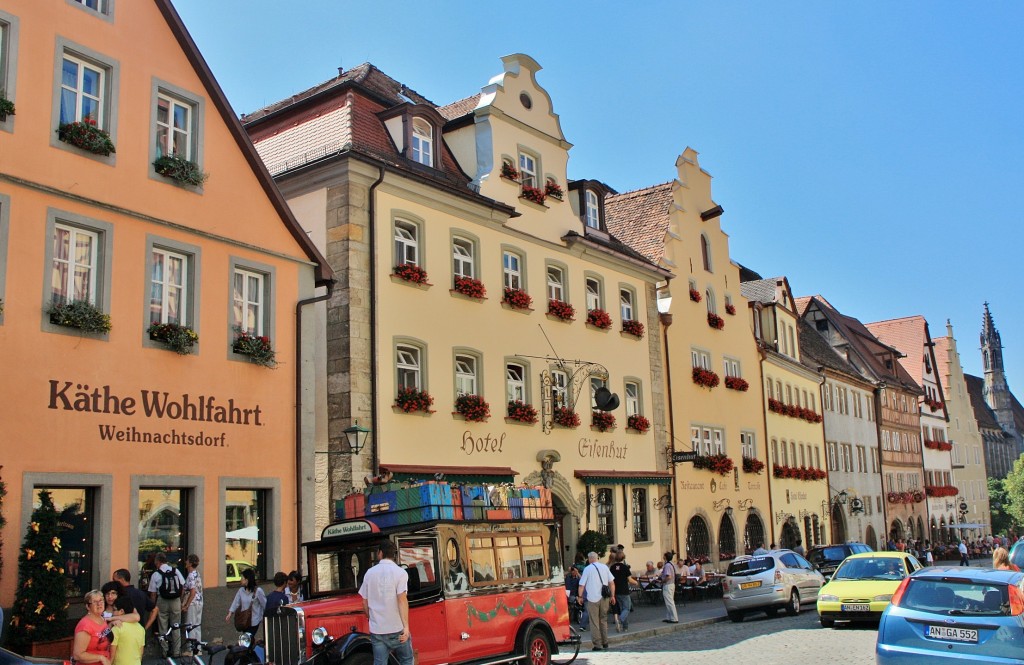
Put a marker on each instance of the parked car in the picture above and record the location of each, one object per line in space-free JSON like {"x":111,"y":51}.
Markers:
{"x":1017,"y":554}
{"x":11,"y":658}
{"x":781,"y":579}
{"x":862,"y":586}
{"x":826,"y":558}
{"x":952,"y":615}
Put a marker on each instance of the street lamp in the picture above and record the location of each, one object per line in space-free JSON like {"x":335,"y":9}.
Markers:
{"x":356,"y":436}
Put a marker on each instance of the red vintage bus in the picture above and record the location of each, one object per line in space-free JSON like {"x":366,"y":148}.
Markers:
{"x":485,"y":592}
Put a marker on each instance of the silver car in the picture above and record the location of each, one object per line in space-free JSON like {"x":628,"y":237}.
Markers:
{"x":780,"y":579}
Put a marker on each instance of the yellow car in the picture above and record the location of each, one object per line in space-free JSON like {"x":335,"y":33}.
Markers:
{"x":862,"y":586}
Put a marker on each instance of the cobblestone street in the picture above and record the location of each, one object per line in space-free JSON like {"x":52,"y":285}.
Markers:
{"x":780,"y":641}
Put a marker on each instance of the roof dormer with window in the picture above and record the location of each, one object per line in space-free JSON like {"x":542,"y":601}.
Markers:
{"x":587,"y":198}
{"x":415,"y":130}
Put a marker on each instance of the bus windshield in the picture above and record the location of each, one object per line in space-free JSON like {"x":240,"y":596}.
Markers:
{"x":340,"y":569}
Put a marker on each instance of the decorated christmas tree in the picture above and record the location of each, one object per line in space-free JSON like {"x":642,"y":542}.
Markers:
{"x":40,"y":603}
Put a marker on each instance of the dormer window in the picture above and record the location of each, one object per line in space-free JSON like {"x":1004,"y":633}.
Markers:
{"x":422,"y":142}
{"x":593,"y":210}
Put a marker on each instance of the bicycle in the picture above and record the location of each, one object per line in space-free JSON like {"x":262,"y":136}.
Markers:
{"x":195,"y":647}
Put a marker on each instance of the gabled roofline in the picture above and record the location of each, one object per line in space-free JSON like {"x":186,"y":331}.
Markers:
{"x":323,"y":273}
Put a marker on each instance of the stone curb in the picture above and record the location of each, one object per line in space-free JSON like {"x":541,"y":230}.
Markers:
{"x":641,"y":633}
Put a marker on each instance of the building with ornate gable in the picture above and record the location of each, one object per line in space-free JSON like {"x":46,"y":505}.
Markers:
{"x":712,"y":365}
{"x":482,"y":306}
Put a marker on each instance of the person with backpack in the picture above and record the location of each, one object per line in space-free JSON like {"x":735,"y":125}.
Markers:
{"x":165,"y":587}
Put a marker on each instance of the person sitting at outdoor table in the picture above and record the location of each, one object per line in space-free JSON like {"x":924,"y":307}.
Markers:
{"x":697,"y":570}
{"x":651,"y":570}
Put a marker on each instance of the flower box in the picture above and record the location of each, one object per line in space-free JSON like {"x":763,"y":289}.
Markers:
{"x":719,"y":464}
{"x":79,"y":314}
{"x":694,"y":295}
{"x":633,"y":327}
{"x":509,"y":171}
{"x":411,"y":400}
{"x":752,"y":465}
{"x":602,"y":420}
{"x":933,"y":404}
{"x":565,"y":417}
{"x":517,"y":298}
{"x":561,"y":310}
{"x":705,"y":377}
{"x":178,"y":338}
{"x":470,"y":287}
{"x":793,"y":411}
{"x":86,"y":135}
{"x":715,"y":321}
{"x":941,"y":490}
{"x":553,"y":189}
{"x":736,"y":383}
{"x":599,"y":319}
{"x":521,"y":412}
{"x":797,"y":472}
{"x":639,"y":423}
{"x":181,"y":170}
{"x":258,"y":348}
{"x":938,"y":445}
{"x":730,"y":309}
{"x":410,"y":272}
{"x":6,"y":107}
{"x":532,"y":194}
{"x":473,"y":408}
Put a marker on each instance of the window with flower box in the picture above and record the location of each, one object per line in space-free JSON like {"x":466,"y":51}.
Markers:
{"x":512,"y":270}
{"x":709,"y":297}
{"x":466,"y":379}
{"x":732,"y":367}
{"x":407,"y":242}
{"x":748,"y":445}
{"x":707,"y":440}
{"x":515,"y":382}
{"x":463,"y":258}
{"x":78,"y":263}
{"x":593,"y":209}
{"x":528,"y":170}
{"x":173,"y":127}
{"x":168,"y":287}
{"x":82,"y":91}
{"x":84,"y":85}
{"x":627,"y":298}
{"x":408,"y":366}
{"x":248,"y":296}
{"x":422,"y":142}
{"x":556,"y":283}
{"x":559,"y":388}
{"x":594,"y":294}
{"x":632,"y":401}
{"x":700,"y":358}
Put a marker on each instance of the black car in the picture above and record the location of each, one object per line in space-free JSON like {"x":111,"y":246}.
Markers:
{"x":826,"y":558}
{"x":11,"y":658}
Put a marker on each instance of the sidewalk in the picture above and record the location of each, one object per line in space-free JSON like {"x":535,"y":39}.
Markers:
{"x":645,"y":620}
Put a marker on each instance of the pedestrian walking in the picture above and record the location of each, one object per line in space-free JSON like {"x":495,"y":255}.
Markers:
{"x":165,"y":588}
{"x":962,"y":547}
{"x":623,"y":576}
{"x":668,"y":589}
{"x":192,"y":600}
{"x":596,"y":577}
{"x":385,"y":591}
{"x":249,"y":604}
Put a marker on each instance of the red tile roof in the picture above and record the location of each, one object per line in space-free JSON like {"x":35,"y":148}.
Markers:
{"x":640,"y":219}
{"x":459,"y":108}
{"x":907,"y":335}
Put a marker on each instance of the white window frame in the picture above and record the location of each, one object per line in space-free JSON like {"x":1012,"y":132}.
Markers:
{"x":700,"y":359}
{"x":594,"y":295}
{"x":463,"y":257}
{"x":407,"y":242}
{"x":515,"y":382}
{"x":528,"y":170}
{"x":632,"y":398}
{"x":556,"y":288}
{"x":748,"y":444}
{"x":626,"y":304}
{"x":67,"y":287}
{"x":166,"y":149}
{"x":169,"y":256}
{"x":408,"y":363}
{"x":466,"y":377}
{"x":593,"y":209}
{"x":559,"y":388}
{"x":422,"y":142}
{"x":512,"y":269}
{"x":247,"y":299}
{"x":79,"y":91}
{"x":731,"y":367}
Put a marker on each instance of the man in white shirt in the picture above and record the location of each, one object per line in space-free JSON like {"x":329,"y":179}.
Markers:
{"x":595,"y":576}
{"x":385,"y":599}
{"x":964,"y":561}
{"x":760,"y":551}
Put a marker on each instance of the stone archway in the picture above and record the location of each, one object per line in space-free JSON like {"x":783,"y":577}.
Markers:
{"x":726,"y":538}
{"x":870,"y":539}
{"x":698,"y":538}
{"x":753,"y":533}
{"x":790,"y":536}
{"x":838,"y":524}
{"x":921,"y":533}
{"x":896,"y":530}
{"x":569,"y":513}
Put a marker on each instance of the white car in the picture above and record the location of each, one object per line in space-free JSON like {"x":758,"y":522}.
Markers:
{"x":780,"y":579}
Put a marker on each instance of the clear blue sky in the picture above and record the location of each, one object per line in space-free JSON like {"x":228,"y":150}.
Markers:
{"x":873,"y":152}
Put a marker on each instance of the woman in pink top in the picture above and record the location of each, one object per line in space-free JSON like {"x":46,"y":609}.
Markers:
{"x":92,"y":636}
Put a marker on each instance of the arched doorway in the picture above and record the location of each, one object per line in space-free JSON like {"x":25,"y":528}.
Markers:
{"x":838,"y":524}
{"x":896,"y":531}
{"x":753,"y":533}
{"x":790,"y":537}
{"x":726,"y":538}
{"x":920,"y":529}
{"x":698,"y":539}
{"x":870,"y":538}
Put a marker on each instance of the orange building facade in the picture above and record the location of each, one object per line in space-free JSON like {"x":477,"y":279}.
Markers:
{"x":144,"y":449}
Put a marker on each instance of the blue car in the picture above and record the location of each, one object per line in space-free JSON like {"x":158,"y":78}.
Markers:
{"x":954,"y":615}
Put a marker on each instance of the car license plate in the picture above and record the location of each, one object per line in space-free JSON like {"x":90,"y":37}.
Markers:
{"x":750,"y":585}
{"x":951,"y":633}
{"x":856,"y":607}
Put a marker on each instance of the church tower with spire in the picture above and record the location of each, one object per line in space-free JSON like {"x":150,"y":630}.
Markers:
{"x":996,"y":391}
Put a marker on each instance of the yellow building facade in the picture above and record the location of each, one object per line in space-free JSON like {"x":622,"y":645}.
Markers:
{"x":712,"y":366}
{"x":794,"y":425}
{"x":454,"y":230}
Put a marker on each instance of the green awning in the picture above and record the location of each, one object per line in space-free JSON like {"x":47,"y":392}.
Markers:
{"x":625,"y":477}
{"x":466,"y":475}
